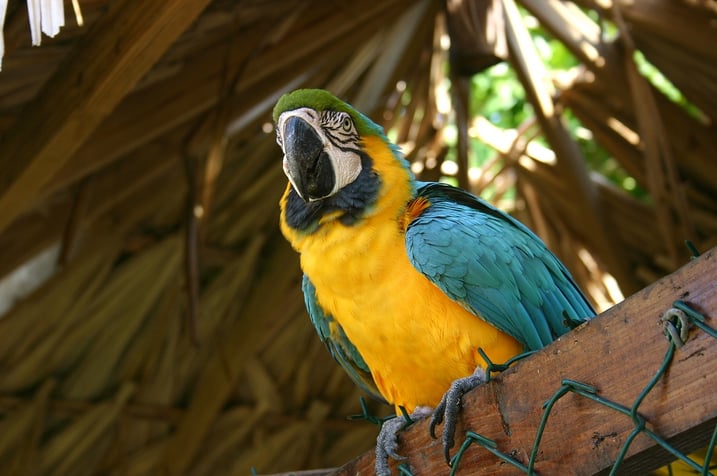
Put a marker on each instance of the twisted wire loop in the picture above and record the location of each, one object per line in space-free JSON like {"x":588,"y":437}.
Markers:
{"x":676,"y":326}
{"x":676,"y":322}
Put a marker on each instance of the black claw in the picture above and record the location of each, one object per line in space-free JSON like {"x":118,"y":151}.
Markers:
{"x":437,"y":417}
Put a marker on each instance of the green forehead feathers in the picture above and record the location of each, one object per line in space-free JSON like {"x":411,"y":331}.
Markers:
{"x":320,"y":100}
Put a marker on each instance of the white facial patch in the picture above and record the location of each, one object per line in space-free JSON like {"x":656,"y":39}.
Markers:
{"x":340,"y":140}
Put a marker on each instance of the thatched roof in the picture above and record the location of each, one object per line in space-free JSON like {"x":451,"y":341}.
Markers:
{"x":137,"y":158}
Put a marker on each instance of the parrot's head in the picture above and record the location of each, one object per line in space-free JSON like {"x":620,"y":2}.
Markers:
{"x":336,"y":158}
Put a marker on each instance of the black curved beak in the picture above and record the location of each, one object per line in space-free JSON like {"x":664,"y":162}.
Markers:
{"x":306,"y":162}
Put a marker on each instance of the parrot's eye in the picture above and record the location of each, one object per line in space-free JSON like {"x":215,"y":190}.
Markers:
{"x":346,"y":124}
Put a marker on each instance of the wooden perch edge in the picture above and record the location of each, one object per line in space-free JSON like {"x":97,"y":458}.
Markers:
{"x":617,"y":353}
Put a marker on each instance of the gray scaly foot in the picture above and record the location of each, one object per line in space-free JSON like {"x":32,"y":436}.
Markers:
{"x":387,"y":441}
{"x":450,"y":406}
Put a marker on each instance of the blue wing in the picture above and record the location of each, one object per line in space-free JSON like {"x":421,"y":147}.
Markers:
{"x":341,"y":348}
{"x":494,"y":266}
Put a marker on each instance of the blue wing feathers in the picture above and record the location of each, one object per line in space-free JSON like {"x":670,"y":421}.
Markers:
{"x":494,"y":265}
{"x":340,"y":347}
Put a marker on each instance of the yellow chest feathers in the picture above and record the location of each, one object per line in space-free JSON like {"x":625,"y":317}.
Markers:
{"x":415,"y":339}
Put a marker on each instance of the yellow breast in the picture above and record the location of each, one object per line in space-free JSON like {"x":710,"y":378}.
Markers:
{"x":414,"y":338}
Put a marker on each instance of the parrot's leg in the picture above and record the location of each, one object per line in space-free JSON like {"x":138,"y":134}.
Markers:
{"x":387,"y":441}
{"x":450,"y":406}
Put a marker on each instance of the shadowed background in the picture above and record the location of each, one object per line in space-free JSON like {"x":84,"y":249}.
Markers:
{"x":153,"y":319}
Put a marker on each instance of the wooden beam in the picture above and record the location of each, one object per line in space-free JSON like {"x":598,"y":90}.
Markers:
{"x":121,"y":47}
{"x":617,"y":353}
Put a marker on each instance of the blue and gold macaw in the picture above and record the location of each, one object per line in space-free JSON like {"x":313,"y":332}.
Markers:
{"x":406,"y":280}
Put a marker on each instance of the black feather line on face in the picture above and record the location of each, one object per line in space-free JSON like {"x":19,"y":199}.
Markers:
{"x":353,"y":200}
